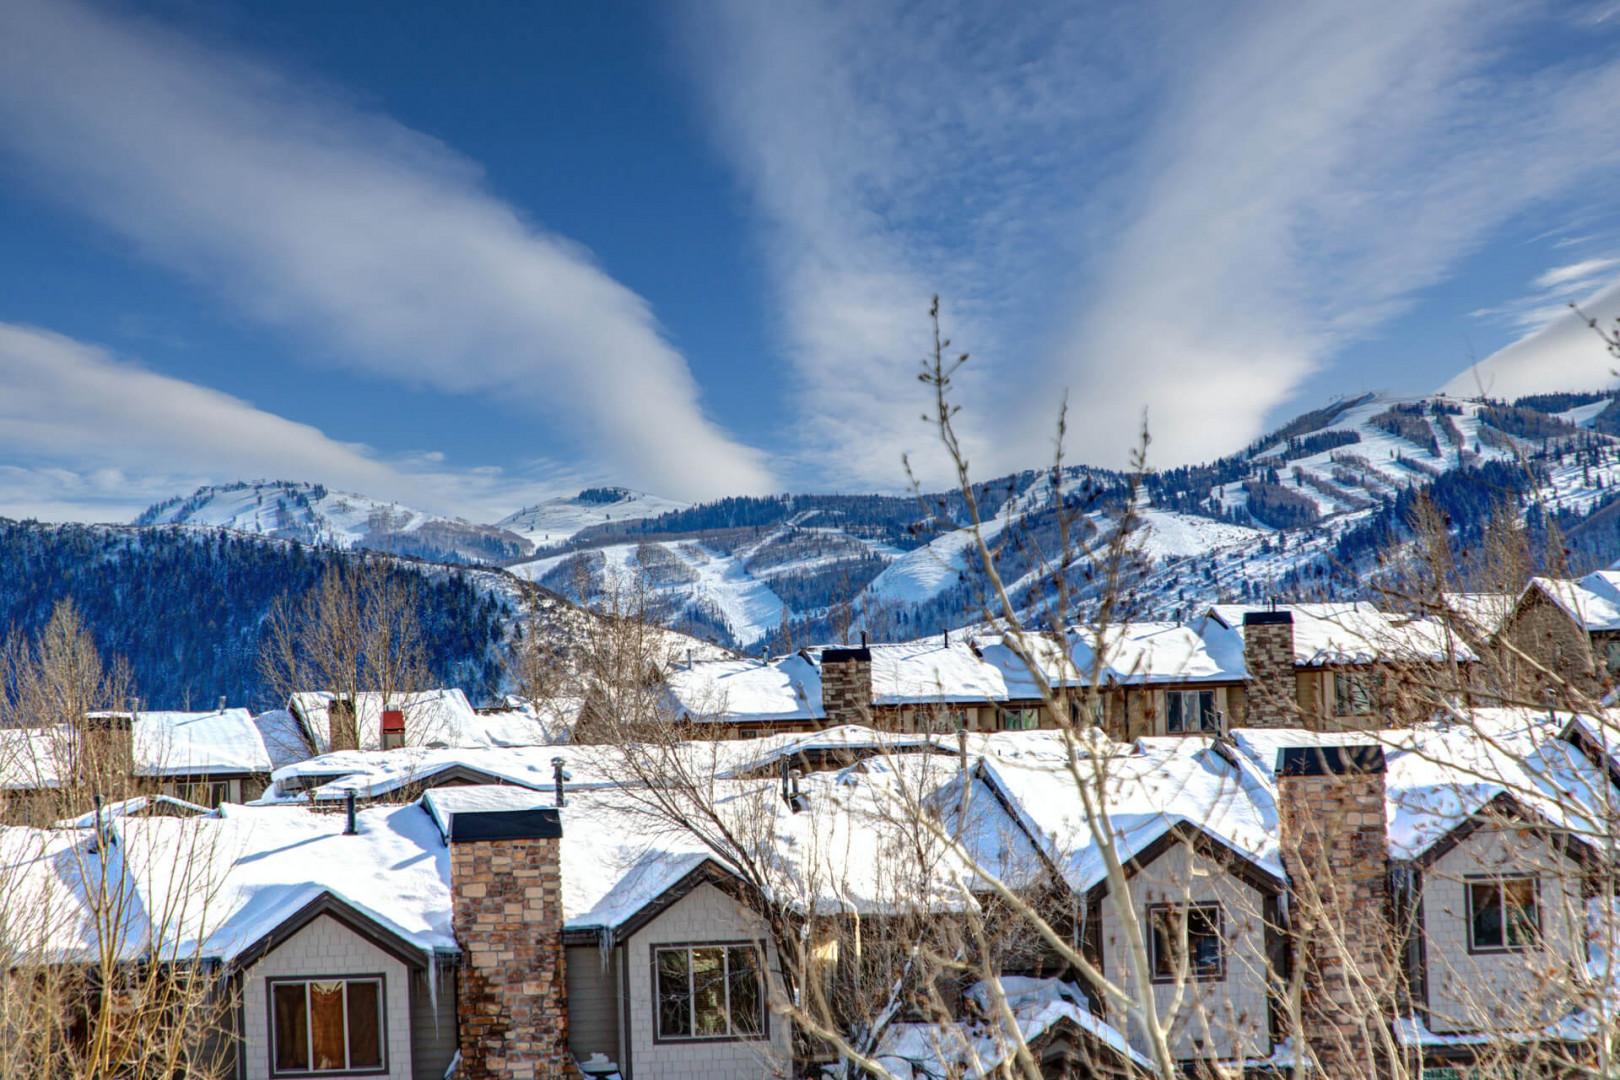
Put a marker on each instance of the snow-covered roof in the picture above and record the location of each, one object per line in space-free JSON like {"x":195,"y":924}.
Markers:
{"x":432,"y":718}
{"x":1358,"y":633}
{"x":34,"y":758}
{"x":187,"y":743}
{"x":1148,"y":795}
{"x":165,"y":743}
{"x":1592,"y":601}
{"x":1163,"y":652}
{"x":1440,"y":775}
{"x":783,"y":689}
{"x":922,"y":1051}
{"x":960,"y":668}
{"x":139,"y":804}
{"x":1482,"y":612}
{"x":372,"y":774}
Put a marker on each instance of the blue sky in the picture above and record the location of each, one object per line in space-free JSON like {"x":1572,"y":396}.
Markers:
{"x":470,"y":258}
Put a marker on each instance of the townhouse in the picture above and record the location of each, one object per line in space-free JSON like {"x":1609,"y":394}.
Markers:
{"x":508,"y":929}
{"x":1322,"y":666}
{"x":1560,"y":630}
{"x":204,"y":758}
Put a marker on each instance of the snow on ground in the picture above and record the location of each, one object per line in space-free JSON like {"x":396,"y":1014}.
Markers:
{"x":1168,"y":534}
{"x":1583,"y":415}
{"x":719,"y":583}
{"x":923,"y":573}
{"x":557,"y":520}
{"x":340,"y":518}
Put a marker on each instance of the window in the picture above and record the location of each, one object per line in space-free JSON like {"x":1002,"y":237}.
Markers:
{"x":1502,"y":914}
{"x":209,"y":793}
{"x":1612,"y":655}
{"x":1188,"y":711}
{"x":326,"y":1026}
{"x":1185,"y":933}
{"x":1020,"y":719}
{"x":709,"y":992}
{"x":1354,"y":693}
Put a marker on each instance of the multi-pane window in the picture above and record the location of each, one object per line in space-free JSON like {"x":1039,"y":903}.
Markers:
{"x":1502,"y":914}
{"x":709,"y":991}
{"x":209,"y":793}
{"x":1020,"y":719}
{"x":1185,"y":934}
{"x":326,"y":1025}
{"x":1189,"y":711}
{"x":1354,"y":693}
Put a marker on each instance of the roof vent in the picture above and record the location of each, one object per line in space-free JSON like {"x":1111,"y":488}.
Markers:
{"x":559,"y":776}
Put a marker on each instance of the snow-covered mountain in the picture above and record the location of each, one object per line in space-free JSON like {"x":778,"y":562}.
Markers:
{"x":557,"y":521}
{"x":314,"y":514}
{"x":1299,"y":511}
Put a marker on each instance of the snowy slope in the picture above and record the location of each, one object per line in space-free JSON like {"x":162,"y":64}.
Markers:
{"x":686,"y":578}
{"x":558,"y":520}
{"x":314,"y":514}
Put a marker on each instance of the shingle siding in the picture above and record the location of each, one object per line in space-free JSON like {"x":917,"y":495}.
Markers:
{"x":705,"y":914}
{"x":1235,"y":1006}
{"x":1503,"y":990}
{"x":325,"y":947}
{"x":594,"y":1002}
{"x":433,"y":1024}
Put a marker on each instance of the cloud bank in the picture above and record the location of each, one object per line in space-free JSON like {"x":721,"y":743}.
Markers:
{"x":1179,"y":209}
{"x":84,"y":435}
{"x":372,"y":242}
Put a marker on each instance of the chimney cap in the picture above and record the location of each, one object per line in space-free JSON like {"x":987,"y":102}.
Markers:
{"x":1267,"y":618}
{"x":540,"y":823}
{"x":1330,"y":760}
{"x":846,"y":656}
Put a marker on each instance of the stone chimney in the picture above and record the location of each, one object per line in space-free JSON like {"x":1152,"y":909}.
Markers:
{"x":846,"y":685}
{"x":1268,"y":652}
{"x":342,"y":728}
{"x":104,"y":751}
{"x":1330,"y":802}
{"x":506,"y":909}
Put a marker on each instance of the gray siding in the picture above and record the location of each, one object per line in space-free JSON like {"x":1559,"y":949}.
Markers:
{"x":594,"y":1002}
{"x":433,"y":1034}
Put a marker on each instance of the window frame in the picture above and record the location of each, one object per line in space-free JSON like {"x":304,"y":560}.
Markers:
{"x":1501,"y":881}
{"x":1032,"y":712}
{"x":379,"y":978}
{"x":1180,"y":697}
{"x":758,"y":947}
{"x":1366,"y":685}
{"x":1217,"y":920}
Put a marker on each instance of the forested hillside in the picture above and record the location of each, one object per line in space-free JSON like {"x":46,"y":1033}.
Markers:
{"x":185,"y":606}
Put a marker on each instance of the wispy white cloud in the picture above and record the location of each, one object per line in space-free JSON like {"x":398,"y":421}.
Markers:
{"x":87,"y":436}
{"x":1188,"y":210}
{"x":1574,"y":275}
{"x":1561,"y":353}
{"x":373,"y":243}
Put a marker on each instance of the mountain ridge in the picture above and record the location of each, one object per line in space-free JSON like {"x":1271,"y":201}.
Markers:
{"x":1297,"y":507}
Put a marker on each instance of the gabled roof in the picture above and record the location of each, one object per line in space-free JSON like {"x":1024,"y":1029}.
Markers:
{"x":1357,"y":633}
{"x":1154,"y":799}
{"x":222,"y":742}
{"x":1593,"y":601}
{"x":433,"y":718}
{"x":1444,"y":776}
{"x":960,"y":669}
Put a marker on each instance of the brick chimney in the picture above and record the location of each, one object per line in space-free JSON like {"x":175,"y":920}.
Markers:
{"x":506,"y":909}
{"x":1268,"y":653}
{"x":846,"y":685}
{"x":1335,"y":849}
